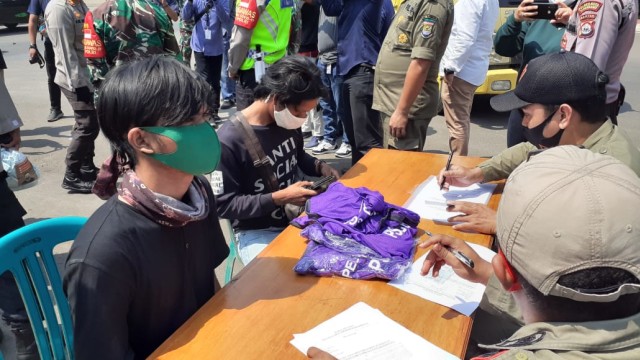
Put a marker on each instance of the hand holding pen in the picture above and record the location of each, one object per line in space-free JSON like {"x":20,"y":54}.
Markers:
{"x":456,"y":253}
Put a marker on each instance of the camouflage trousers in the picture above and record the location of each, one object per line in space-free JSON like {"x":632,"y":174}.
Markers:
{"x":186,"y":28}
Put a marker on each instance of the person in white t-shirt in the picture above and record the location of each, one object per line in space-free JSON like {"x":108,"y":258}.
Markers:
{"x":465,"y":64}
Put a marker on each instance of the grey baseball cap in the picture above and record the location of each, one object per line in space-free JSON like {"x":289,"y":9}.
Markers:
{"x":569,"y":209}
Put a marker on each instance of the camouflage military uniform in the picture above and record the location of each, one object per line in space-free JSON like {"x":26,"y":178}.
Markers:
{"x":123,"y":26}
{"x":186,"y":28}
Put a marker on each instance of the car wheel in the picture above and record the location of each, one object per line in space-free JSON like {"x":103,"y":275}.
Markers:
{"x":11,"y":26}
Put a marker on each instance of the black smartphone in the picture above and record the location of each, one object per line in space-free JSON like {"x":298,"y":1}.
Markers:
{"x":546,"y":11}
{"x":322,"y":183}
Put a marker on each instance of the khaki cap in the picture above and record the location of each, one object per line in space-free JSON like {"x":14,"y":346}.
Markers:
{"x":569,"y":209}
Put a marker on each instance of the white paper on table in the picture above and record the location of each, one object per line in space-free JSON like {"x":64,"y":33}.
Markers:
{"x":430,"y":202}
{"x":362,"y":332}
{"x":448,"y":289}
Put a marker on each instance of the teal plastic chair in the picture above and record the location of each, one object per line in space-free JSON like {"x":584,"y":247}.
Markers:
{"x":28,"y":254}
{"x":233,"y":251}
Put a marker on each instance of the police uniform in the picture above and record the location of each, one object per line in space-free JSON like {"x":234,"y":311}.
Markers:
{"x":259,"y":22}
{"x":420,"y":30}
{"x":609,"y":339}
{"x":603,"y":30}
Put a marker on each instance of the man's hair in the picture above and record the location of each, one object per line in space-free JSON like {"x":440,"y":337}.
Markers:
{"x":592,"y":111}
{"x":291,"y":80}
{"x":595,"y":281}
{"x":154,"y":91}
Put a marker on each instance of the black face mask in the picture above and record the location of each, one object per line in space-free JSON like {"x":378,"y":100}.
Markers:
{"x":534,"y":135}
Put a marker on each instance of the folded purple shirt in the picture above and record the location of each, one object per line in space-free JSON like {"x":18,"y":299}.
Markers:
{"x":354,"y":233}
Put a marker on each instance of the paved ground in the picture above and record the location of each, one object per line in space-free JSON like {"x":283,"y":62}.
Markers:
{"x":45,"y":143}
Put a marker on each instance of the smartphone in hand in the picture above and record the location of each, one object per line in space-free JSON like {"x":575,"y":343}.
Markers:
{"x":546,"y":10}
{"x":321,"y":185}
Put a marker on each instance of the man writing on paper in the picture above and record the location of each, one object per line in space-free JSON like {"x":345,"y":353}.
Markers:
{"x":562,"y":98}
{"x":569,"y":254}
{"x":577,"y":303}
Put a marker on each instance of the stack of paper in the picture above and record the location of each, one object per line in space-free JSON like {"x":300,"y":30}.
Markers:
{"x":430,"y":202}
{"x":362,"y":332}
{"x":448,"y":289}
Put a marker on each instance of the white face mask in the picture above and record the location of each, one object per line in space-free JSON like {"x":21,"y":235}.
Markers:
{"x":285,"y":119}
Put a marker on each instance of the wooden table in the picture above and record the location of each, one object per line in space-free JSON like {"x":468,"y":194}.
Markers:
{"x":256,"y":315}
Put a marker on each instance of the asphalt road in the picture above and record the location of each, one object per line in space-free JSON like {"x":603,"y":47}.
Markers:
{"x":45,"y":143}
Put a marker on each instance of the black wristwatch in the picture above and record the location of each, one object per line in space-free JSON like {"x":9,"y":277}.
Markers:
{"x":33,"y":46}
{"x":448,"y":71}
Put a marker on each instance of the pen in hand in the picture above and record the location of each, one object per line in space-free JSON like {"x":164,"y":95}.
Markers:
{"x":446,"y":169}
{"x":460,"y":256}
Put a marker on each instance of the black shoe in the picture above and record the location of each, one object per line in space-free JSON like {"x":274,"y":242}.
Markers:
{"x":26,"y":348}
{"x":75,"y":184}
{"x":227,"y":104}
{"x":89,"y":172}
{"x":54,"y":115}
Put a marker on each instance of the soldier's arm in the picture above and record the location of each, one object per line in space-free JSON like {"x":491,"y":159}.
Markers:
{"x":424,"y":46}
{"x":597,"y":32}
{"x":99,"y":67}
{"x":502,"y":165}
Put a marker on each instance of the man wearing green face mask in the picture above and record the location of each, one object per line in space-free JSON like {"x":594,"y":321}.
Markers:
{"x":290,"y":88}
{"x":143,"y":263}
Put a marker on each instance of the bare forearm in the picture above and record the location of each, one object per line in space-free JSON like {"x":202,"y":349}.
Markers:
{"x":33,"y":28}
{"x":414,"y":80}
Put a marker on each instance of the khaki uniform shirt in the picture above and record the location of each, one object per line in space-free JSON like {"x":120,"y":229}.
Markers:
{"x":611,"y":340}
{"x":420,"y":30}
{"x":65,"y":20}
{"x":603,"y":30}
{"x":607,"y":140}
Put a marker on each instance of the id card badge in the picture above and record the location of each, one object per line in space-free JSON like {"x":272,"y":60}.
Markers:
{"x":259,"y":69}
{"x":328,"y":69}
{"x":286,"y":3}
{"x":207,"y":34}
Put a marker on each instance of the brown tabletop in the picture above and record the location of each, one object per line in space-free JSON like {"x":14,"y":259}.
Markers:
{"x":256,"y":315}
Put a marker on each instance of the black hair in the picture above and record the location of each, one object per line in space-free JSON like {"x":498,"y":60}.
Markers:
{"x":592,"y":111}
{"x":154,"y":91}
{"x":291,"y":80}
{"x":596,"y":280}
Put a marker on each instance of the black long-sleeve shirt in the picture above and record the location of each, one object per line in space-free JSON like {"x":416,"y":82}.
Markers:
{"x":242,"y":194}
{"x":132,"y":282}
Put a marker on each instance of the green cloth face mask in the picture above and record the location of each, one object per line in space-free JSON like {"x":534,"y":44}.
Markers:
{"x":197,"y":151}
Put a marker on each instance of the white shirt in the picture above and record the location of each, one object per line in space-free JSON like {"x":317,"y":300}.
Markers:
{"x":471,"y":40}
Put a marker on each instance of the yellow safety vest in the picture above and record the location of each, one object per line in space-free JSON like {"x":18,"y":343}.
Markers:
{"x":271,"y":33}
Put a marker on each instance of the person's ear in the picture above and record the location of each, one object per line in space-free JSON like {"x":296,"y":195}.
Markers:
{"x":566,"y":113}
{"x":505,"y":273}
{"x":140,"y":140}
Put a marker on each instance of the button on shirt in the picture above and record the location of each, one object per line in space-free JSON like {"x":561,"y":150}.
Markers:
{"x":215,"y":21}
{"x":471,"y":40}
{"x":362,"y":26}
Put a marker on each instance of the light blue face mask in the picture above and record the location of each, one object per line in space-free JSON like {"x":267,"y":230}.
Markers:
{"x":198,"y":148}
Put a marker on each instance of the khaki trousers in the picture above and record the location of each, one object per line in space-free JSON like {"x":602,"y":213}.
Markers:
{"x":457,"y":99}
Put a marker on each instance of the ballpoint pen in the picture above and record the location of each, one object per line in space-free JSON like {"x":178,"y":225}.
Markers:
{"x":446,"y":168}
{"x":460,"y":256}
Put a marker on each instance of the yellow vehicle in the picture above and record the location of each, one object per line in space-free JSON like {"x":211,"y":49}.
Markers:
{"x":503,"y":71}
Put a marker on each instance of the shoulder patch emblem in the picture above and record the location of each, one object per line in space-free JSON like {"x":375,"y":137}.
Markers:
{"x":523,"y":341}
{"x":592,"y":6}
{"x":403,"y":38}
{"x":428,"y":25}
{"x":587,"y":29}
